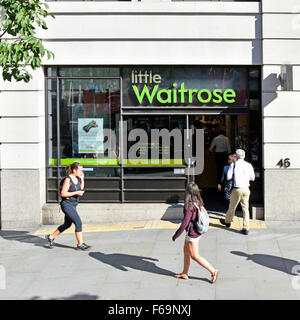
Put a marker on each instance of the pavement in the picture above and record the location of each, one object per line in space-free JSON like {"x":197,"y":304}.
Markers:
{"x":137,"y":261}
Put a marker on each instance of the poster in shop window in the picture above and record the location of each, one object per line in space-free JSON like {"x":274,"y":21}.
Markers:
{"x":90,"y":135}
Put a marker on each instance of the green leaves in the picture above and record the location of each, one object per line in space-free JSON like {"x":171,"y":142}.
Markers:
{"x":23,"y":48}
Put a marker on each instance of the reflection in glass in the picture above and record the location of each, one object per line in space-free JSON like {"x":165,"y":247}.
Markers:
{"x":157,"y":150}
{"x":88,"y":72}
{"x":51,"y":72}
{"x":52,"y":172}
{"x":97,"y":172}
{"x":87,"y":108}
{"x":52,"y":120}
{"x":154,"y":172}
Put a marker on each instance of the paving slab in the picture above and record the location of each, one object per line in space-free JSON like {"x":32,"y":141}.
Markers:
{"x":17,"y":283}
{"x":154,"y":280}
{"x":232,"y":288}
{"x":62,"y":287}
{"x":156,"y":294}
{"x":197,"y":287}
{"x":241,"y":270}
{"x":112,"y":291}
{"x":297,"y":291}
{"x":274,"y":290}
{"x":120,"y":277}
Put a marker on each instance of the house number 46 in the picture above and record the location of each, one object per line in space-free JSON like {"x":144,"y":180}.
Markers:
{"x":284,"y":163}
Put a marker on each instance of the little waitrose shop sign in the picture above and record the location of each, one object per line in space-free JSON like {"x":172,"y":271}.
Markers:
{"x":177,"y":93}
{"x":183,"y":86}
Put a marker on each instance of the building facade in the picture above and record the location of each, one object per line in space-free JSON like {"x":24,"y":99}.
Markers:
{"x":231,"y":66}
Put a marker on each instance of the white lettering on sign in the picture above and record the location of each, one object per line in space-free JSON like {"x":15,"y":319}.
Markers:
{"x":146,"y":77}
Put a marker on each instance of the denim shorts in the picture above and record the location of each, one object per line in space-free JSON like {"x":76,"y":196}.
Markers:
{"x":189,"y":239}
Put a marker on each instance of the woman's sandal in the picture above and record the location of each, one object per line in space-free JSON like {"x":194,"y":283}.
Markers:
{"x":214,"y":276}
{"x":181,"y":276}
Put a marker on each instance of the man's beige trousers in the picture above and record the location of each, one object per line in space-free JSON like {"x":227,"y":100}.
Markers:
{"x":239,"y":196}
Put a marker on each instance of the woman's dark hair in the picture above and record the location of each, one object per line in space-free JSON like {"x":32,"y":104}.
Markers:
{"x":71,"y":167}
{"x":192,"y":195}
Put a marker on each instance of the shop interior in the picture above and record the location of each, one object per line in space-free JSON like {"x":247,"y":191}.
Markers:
{"x":236,"y":128}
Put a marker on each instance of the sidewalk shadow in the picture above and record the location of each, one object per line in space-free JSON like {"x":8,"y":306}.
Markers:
{"x":26,"y":237}
{"x":219,"y":226}
{"x":174,"y":213}
{"x":272,"y":262}
{"x":123,"y":261}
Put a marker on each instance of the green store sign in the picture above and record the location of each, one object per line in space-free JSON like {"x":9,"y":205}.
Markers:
{"x":178,"y":86}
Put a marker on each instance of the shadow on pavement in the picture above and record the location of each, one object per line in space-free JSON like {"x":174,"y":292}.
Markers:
{"x":79,"y":296}
{"x":272,"y":262}
{"x":26,"y":237}
{"x":122,"y":261}
{"x":219,"y":226}
{"x":174,"y":213}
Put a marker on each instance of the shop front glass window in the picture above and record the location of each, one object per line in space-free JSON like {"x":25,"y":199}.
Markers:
{"x":88,"y":72}
{"x":52,"y":119}
{"x":89,"y":121}
{"x":155,"y":152}
{"x":254,"y":116}
{"x":83,"y":111}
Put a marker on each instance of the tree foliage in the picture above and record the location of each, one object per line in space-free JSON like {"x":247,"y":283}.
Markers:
{"x":20,"y":47}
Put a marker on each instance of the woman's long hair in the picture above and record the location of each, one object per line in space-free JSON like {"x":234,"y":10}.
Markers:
{"x":192,"y":195}
{"x":71,"y":167}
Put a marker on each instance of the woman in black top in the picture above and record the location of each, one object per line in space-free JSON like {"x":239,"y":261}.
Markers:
{"x":72,"y":189}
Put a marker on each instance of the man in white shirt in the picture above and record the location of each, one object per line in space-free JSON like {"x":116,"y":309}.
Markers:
{"x":221,"y":145}
{"x":242,"y":173}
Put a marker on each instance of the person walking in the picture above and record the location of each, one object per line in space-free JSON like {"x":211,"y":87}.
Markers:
{"x":224,"y":184}
{"x":72,"y":189}
{"x":221,"y":145}
{"x":242,"y":173}
{"x":192,"y":200}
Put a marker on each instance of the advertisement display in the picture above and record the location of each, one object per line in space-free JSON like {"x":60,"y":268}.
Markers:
{"x":90,"y":135}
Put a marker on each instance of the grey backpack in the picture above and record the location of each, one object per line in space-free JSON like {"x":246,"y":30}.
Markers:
{"x":202,"y":220}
